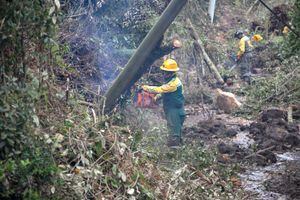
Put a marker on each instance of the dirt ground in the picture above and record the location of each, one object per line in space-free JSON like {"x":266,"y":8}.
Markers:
{"x":287,"y":181}
{"x":258,"y":146}
{"x":253,"y":145}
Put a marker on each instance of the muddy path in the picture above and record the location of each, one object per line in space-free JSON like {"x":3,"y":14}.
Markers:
{"x":263,"y":176}
{"x":215,"y":142}
{"x":273,"y":182}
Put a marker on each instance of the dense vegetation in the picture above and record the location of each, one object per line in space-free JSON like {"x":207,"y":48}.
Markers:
{"x":26,"y":162}
{"x":282,"y":88}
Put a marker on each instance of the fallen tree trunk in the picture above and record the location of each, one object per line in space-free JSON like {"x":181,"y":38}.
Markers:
{"x":207,"y":59}
{"x":131,"y":72}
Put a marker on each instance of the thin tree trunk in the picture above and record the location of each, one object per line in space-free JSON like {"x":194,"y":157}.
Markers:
{"x":207,"y":59}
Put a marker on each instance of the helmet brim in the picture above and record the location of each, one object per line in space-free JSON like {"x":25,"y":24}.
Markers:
{"x":169,"y":70}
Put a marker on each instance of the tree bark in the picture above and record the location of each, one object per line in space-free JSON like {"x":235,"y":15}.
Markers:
{"x":132,"y":70}
{"x":207,"y":59}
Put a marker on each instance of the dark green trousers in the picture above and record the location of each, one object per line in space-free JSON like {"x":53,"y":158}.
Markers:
{"x":246,"y":64}
{"x":175,"y":118}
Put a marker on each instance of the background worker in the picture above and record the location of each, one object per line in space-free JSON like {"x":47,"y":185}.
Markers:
{"x":173,"y":101}
{"x":244,"y":55}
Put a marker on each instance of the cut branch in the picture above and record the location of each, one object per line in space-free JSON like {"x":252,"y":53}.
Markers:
{"x":87,"y":104}
{"x":260,"y":151}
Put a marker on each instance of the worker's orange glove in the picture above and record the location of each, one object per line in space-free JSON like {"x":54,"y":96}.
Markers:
{"x":177,"y":43}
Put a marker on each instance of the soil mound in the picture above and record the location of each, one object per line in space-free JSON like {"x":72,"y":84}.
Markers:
{"x":287,"y":183}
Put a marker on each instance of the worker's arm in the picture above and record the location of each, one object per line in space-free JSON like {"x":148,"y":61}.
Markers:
{"x":242,"y":48}
{"x":250,"y":44}
{"x":166,"y":88}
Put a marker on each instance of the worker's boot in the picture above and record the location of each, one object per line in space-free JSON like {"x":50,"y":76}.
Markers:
{"x":174,"y":142}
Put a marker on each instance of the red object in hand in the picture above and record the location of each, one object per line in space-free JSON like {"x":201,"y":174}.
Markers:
{"x":145,"y":100}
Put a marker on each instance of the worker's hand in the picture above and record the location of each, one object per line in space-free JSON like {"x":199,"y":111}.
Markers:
{"x":177,"y":43}
{"x":138,"y":87}
{"x":145,"y":87}
{"x":157,"y":97}
{"x":238,"y":58}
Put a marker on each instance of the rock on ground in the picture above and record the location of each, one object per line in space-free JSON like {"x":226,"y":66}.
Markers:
{"x":226,"y":101}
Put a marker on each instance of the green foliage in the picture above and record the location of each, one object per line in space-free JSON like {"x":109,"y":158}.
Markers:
{"x":137,"y":137}
{"x":17,"y":115}
{"x":26,"y":32}
{"x":26,"y":176}
{"x":282,"y":88}
{"x":293,"y":46}
{"x":18,"y":19}
{"x":197,"y":156}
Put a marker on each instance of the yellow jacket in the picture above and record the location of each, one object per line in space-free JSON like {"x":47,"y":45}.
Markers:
{"x":244,"y":46}
{"x":171,"y":86}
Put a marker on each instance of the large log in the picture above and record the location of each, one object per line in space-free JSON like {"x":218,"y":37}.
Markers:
{"x":132,"y":70}
{"x":207,"y":59}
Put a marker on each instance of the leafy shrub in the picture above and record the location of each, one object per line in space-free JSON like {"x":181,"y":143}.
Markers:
{"x":26,"y":176}
{"x":282,"y":88}
{"x":26,"y":31}
{"x":293,"y":47}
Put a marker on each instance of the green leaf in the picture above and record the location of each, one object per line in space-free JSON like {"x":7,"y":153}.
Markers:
{"x":54,"y":19}
{"x":25,"y":163}
{"x":3,"y":136}
{"x":57,"y":3}
{"x":54,"y":48}
{"x":10,"y":141}
{"x":69,"y":123}
{"x":98,"y":148}
{"x":36,"y":120}
{"x":114,"y":169}
{"x":52,"y":9}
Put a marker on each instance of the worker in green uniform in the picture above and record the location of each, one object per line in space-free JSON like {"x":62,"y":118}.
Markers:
{"x":173,"y":101}
{"x":244,"y":55}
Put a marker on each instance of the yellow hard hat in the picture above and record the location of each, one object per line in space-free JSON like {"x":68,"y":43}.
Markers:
{"x":169,"y":65}
{"x":285,"y":30}
{"x":257,"y":37}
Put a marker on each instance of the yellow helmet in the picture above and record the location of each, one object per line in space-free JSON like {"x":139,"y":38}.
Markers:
{"x":257,"y":38}
{"x":169,"y":65}
{"x":285,"y":30}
